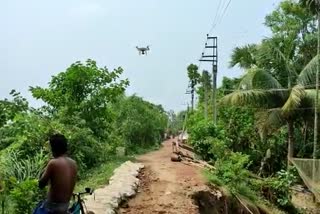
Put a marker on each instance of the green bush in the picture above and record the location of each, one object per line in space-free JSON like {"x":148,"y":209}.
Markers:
{"x":17,"y":184}
{"x":26,"y":195}
{"x":206,"y":139}
{"x":139,"y":123}
{"x":278,"y":187}
{"x":6,"y":184}
{"x":218,"y":149}
{"x":83,"y":146}
{"x":231,"y":171}
{"x":13,"y":166}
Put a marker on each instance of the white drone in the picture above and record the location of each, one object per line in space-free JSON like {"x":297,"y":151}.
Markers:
{"x":143,"y":51}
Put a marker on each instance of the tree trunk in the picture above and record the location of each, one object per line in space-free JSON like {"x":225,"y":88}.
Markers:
{"x":3,"y":206}
{"x":290,"y":141}
{"x":305,"y":133}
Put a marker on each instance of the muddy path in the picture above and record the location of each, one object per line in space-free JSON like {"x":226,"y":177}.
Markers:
{"x":166,"y":186}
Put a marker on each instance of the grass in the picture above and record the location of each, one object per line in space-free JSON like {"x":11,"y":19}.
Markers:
{"x":132,"y":152}
{"x":99,"y":176}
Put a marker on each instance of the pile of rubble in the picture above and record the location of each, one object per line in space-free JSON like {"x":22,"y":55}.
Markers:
{"x":122,"y":185}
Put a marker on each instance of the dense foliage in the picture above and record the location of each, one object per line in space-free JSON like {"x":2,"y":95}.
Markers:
{"x":87,"y":104}
{"x":266,"y":116}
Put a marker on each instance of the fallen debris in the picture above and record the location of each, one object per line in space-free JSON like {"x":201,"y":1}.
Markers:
{"x":176,"y":158}
{"x":192,"y":161}
{"x":186,"y":147}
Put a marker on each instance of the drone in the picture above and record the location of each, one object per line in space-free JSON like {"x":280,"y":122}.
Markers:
{"x":143,"y":51}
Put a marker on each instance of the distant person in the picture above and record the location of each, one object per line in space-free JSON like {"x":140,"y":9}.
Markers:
{"x":175,"y":146}
{"x":60,"y":173}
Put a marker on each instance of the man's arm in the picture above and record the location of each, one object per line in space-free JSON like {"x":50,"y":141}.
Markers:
{"x":46,"y":175}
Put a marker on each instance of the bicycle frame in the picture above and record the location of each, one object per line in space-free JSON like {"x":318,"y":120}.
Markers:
{"x":79,"y":206}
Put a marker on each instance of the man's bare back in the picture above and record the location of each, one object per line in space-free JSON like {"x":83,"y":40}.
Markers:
{"x":62,"y":179}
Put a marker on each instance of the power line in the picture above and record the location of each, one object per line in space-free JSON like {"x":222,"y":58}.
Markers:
{"x":216,"y":18}
{"x":224,"y":12}
{"x":214,"y":24}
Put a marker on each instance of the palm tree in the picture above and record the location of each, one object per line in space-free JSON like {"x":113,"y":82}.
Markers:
{"x":276,"y":105}
{"x":280,"y":52}
{"x":244,"y":56}
{"x":314,"y":6}
{"x":261,"y":89}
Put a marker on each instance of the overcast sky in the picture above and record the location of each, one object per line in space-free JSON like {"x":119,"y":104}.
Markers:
{"x":40,"y":38}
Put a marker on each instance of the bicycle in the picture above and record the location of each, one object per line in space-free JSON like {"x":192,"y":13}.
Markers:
{"x":79,"y":206}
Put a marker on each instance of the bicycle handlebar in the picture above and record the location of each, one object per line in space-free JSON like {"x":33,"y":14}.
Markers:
{"x":87,"y":191}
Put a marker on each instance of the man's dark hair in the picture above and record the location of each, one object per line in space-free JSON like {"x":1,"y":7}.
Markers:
{"x":59,"y":145}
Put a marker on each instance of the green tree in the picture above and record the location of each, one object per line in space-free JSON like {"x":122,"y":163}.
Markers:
{"x":294,"y":24}
{"x":139,"y":122}
{"x":314,"y":7}
{"x":279,"y":63}
{"x":194,"y":78}
{"x":259,"y":89}
{"x":84,"y":90}
{"x":177,"y":122}
{"x":10,"y":108}
{"x":244,"y":57}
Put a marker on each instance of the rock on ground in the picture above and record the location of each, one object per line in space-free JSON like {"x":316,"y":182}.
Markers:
{"x":122,"y":185}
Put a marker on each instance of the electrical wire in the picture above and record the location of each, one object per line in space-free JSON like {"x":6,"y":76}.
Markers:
{"x":214,"y":24}
{"x":224,"y":12}
{"x":215,"y":21}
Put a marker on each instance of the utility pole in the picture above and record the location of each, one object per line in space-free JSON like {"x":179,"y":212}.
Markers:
{"x":214,"y":59}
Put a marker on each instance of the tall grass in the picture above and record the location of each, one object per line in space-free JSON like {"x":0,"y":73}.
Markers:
{"x":13,"y":165}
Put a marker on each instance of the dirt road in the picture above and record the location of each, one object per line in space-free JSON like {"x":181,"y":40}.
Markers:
{"x":166,"y":186}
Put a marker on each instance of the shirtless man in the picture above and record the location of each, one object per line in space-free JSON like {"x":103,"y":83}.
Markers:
{"x":61,"y":173}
